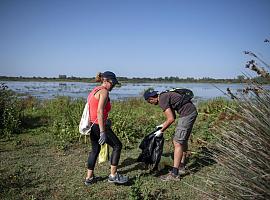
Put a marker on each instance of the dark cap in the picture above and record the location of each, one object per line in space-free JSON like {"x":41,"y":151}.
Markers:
{"x":149,"y":93}
{"x":111,"y":76}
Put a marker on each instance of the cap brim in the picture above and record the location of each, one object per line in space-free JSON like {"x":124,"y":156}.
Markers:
{"x":115,"y":82}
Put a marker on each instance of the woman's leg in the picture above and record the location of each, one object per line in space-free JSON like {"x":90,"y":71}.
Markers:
{"x":94,"y":137}
{"x":116,"y":144}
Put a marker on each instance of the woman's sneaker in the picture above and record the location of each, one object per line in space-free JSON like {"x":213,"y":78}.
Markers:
{"x":90,"y":181}
{"x":118,"y":178}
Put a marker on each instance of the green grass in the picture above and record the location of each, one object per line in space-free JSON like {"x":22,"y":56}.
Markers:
{"x":42,"y":171}
{"x":33,"y":168}
{"x":47,"y":161}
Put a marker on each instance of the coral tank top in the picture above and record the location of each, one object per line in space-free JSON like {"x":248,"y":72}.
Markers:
{"x":93,"y":105}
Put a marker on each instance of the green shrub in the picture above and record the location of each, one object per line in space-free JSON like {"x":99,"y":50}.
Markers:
{"x":10,"y":112}
{"x":212,"y":113}
{"x":134,"y":118}
{"x":64,"y":118}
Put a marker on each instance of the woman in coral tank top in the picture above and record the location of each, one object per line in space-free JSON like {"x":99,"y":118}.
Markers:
{"x":100,"y":106}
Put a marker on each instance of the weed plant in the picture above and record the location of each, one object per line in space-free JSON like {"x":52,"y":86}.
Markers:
{"x":135,"y":192}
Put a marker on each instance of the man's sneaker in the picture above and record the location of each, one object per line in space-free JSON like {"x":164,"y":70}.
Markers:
{"x":182,"y":170}
{"x":91,"y":180}
{"x":118,"y":178}
{"x":170,"y":177}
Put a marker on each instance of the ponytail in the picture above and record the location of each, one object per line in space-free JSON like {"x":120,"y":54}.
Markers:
{"x":99,"y":77}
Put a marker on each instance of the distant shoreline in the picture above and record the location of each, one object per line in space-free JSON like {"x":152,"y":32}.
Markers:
{"x":134,"y":80}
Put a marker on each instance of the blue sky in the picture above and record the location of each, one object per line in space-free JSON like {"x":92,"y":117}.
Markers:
{"x":138,"y":38}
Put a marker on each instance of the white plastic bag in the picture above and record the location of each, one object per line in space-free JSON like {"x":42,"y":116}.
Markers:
{"x":85,"y":125}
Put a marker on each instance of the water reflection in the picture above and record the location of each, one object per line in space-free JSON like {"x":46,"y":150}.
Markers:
{"x":48,"y":90}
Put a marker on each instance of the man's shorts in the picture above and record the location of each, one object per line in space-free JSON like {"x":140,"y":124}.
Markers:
{"x":184,"y":128}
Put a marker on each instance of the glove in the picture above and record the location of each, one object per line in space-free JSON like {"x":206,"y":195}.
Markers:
{"x":102,"y":138}
{"x":159,"y":126}
{"x":158,"y":133}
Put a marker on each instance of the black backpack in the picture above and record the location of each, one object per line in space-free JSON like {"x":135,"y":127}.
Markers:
{"x":186,"y":93}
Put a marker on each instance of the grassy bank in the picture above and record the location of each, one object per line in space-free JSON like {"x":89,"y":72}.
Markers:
{"x":46,"y":160}
{"x":33,"y":168}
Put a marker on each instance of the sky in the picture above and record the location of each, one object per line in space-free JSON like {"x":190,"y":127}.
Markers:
{"x":132,"y":38}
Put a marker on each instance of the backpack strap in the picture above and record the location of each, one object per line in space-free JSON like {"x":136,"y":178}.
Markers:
{"x":182,"y":91}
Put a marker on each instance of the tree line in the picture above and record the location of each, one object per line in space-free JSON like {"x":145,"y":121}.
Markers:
{"x":238,"y":79}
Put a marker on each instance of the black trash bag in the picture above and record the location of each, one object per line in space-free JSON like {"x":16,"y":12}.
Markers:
{"x":152,"y":148}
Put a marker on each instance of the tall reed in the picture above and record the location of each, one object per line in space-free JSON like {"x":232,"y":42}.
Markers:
{"x":243,"y":151}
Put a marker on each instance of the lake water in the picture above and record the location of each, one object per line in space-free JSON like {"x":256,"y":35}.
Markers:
{"x":48,"y":90}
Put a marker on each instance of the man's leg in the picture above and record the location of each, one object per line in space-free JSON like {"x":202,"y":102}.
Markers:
{"x":178,"y":154}
{"x":180,"y":140}
{"x":183,"y":160}
{"x":182,"y":166}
